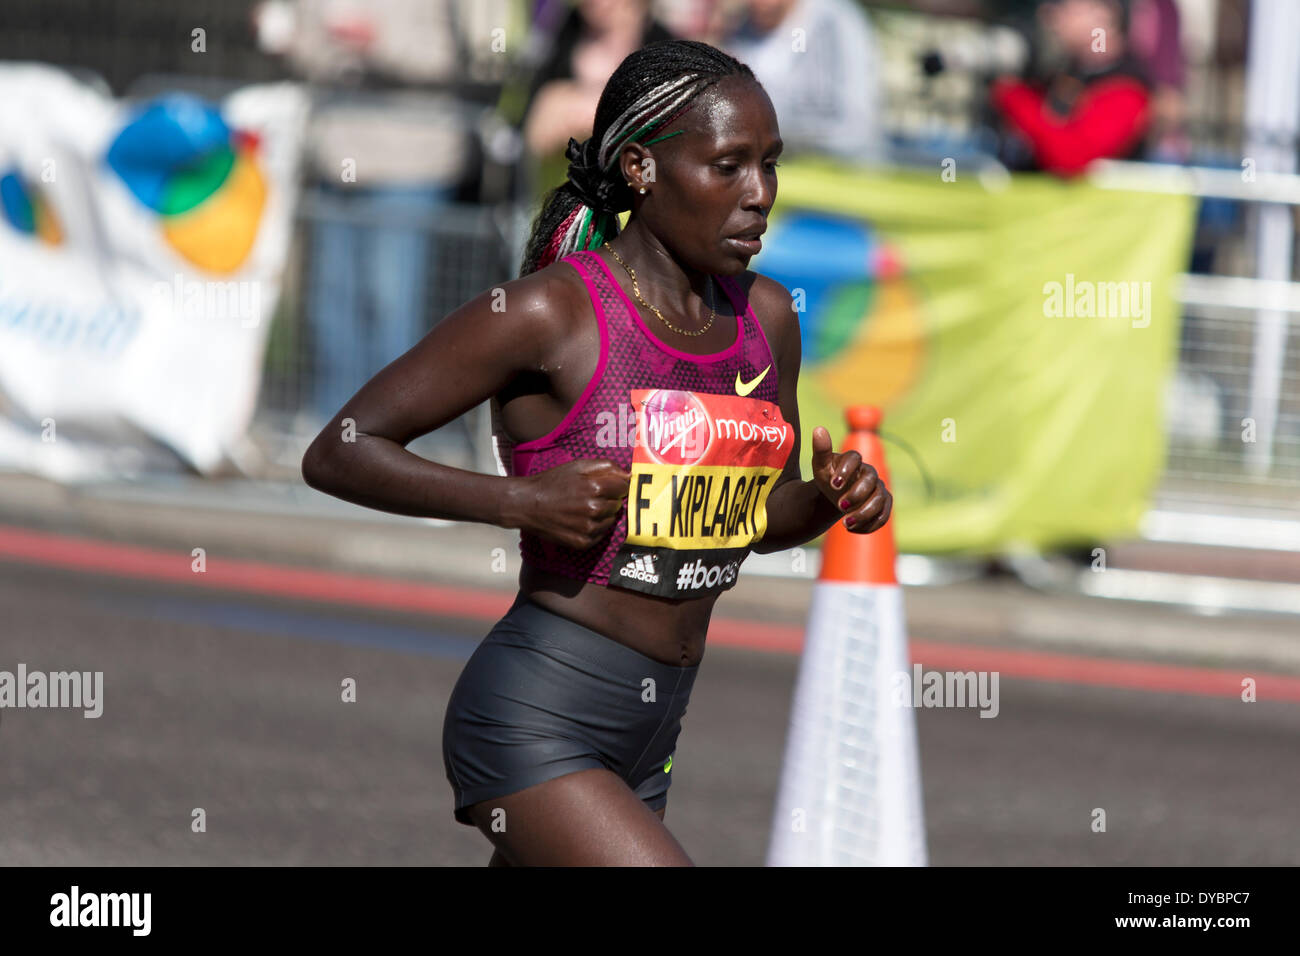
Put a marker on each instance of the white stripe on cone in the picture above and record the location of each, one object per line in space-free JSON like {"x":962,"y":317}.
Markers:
{"x":850,"y":791}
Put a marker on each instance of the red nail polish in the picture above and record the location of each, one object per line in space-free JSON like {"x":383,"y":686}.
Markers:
{"x":848,"y":522}
{"x":844,"y":505}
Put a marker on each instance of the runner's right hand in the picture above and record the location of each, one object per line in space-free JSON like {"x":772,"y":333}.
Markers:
{"x":573,"y":504}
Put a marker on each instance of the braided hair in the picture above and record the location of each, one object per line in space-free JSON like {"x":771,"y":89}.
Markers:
{"x":650,"y":89}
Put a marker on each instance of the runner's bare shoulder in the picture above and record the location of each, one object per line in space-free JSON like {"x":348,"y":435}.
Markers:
{"x":773,"y":306}
{"x":553,"y":304}
{"x":514,"y":327}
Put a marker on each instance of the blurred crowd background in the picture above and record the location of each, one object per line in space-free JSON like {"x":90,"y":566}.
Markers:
{"x":456,"y":113}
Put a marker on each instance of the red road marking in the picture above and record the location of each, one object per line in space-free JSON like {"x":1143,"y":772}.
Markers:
{"x":256,"y":577}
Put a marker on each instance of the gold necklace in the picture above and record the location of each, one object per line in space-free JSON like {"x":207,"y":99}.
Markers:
{"x":636,"y":290}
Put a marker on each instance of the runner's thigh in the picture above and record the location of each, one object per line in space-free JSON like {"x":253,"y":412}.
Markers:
{"x":587,"y":818}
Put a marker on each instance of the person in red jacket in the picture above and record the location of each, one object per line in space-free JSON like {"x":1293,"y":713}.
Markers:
{"x":1096,"y":107}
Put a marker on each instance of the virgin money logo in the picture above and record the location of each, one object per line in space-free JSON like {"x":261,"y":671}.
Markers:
{"x":677,"y":427}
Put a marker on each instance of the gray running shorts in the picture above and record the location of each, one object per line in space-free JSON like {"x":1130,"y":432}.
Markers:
{"x":543,"y":696}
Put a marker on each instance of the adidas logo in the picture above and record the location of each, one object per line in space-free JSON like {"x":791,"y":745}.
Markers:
{"x":641,"y":567}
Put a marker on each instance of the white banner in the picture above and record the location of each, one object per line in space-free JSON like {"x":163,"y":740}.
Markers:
{"x":142,"y":247}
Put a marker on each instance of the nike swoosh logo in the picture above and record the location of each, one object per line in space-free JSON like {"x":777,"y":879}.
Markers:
{"x":669,"y":765}
{"x":744,"y":388}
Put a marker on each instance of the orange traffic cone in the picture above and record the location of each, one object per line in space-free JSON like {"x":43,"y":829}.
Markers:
{"x":850,"y":792}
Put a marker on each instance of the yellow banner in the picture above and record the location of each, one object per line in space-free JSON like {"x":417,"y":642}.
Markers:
{"x":1017,"y":337}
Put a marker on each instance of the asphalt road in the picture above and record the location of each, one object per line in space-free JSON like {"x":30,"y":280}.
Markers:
{"x":232,"y":704}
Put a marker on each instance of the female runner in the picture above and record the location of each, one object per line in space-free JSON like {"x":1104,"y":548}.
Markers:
{"x":642,"y":385}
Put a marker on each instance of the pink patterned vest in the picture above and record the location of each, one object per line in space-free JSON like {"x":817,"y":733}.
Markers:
{"x":702,"y":436}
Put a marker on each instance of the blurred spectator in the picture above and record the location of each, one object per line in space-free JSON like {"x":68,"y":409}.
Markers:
{"x":823,"y":80}
{"x":1155,"y":36}
{"x":589,"y":44}
{"x":1219,"y":220}
{"x":694,"y":19}
{"x":1094,"y":105}
{"x":383,"y":143}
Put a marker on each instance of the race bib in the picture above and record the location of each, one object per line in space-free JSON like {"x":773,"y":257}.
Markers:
{"x":702,"y":468}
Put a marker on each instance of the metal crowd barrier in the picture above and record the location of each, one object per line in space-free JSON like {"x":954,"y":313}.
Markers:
{"x":1234,"y":404}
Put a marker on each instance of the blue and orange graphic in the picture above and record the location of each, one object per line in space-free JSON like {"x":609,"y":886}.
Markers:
{"x":27,"y":210}
{"x":203,"y":178}
{"x":861,"y":320}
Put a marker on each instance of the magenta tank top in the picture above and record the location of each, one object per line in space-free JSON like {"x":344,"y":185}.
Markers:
{"x":702,"y":436}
